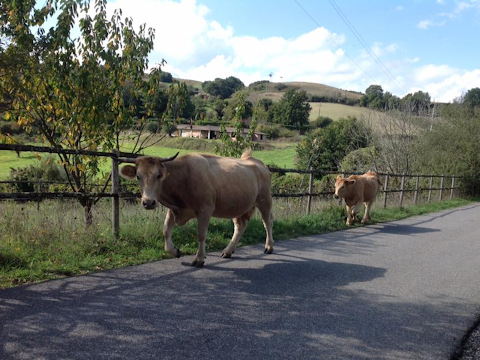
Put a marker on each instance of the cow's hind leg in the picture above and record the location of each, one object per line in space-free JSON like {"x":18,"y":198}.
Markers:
{"x":368,"y":207}
{"x":240,"y":224}
{"x":167,"y":233}
{"x":265,"y":208}
{"x":202,"y":231}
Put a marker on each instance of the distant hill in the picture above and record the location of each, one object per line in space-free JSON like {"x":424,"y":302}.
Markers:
{"x":275,"y":91}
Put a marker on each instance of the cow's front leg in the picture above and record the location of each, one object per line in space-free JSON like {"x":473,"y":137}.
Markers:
{"x":349,"y":215}
{"x":167,"y":233}
{"x":355,"y":210}
{"x":202,"y":231}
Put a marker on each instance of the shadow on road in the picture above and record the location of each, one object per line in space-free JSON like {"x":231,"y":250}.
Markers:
{"x":284,"y":306}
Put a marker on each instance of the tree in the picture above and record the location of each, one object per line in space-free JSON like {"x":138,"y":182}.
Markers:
{"x":293,"y":109}
{"x":418,"y":103}
{"x":451,"y":146}
{"x":179,"y":104}
{"x":373,"y":97}
{"x":324,"y":148}
{"x":238,"y":142}
{"x":166,"y":77}
{"x":223,"y":88}
{"x":71,"y":91}
{"x":472,"y":97}
{"x":238,"y":109}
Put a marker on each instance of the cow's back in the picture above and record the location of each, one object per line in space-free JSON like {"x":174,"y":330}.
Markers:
{"x":371,"y":185}
{"x":233,"y":185}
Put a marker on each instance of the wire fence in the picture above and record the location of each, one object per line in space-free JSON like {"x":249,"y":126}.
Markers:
{"x":401,"y":184}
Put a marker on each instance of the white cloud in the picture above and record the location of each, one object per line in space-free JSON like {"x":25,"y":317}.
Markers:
{"x":200,"y":48}
{"x":441,"y":2}
{"x":425,"y":24}
{"x":399,"y":8}
{"x":453,"y":86}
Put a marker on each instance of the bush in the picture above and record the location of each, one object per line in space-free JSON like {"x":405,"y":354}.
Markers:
{"x":321,"y":122}
{"x":152,"y":126}
{"x":280,"y":86}
{"x":47,"y":170}
{"x":359,"y":160}
{"x":166,"y":77}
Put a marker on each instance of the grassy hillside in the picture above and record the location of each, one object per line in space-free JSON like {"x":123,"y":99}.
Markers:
{"x":336,"y":111}
{"x":269,"y":91}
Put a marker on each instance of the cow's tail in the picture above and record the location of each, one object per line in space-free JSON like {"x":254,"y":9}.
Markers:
{"x":246,"y":154}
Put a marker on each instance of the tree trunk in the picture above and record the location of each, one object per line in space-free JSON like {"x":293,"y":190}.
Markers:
{"x":88,"y":212}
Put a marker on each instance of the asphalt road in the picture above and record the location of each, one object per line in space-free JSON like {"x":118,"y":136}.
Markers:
{"x":402,"y":290}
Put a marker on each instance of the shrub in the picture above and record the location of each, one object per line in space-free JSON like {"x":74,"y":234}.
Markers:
{"x":47,"y":170}
{"x":152,"y":126}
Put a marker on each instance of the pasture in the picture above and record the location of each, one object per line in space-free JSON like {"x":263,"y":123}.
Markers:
{"x":282,"y":155}
{"x":336,"y":111}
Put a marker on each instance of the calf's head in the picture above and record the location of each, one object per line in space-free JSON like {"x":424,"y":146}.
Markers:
{"x":150,"y":173}
{"x":342,"y":186}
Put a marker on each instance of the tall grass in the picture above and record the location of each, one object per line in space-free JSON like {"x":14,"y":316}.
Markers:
{"x":52,"y":242}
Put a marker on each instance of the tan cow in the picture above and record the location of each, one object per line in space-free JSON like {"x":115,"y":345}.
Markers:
{"x":357,"y":189}
{"x":204,"y":186}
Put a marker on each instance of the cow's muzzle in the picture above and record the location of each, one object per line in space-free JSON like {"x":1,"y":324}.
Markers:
{"x":149,"y":204}
{"x":335,"y":196}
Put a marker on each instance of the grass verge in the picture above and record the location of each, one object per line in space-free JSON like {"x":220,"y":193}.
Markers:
{"x":53,"y":243}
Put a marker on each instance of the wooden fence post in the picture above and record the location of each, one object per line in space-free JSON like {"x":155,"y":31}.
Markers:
{"x":453,"y":187}
{"x":340,"y":199}
{"x":430,"y":189}
{"x":116,"y":199}
{"x":416,"y":189}
{"x":310,"y":189}
{"x":39,"y":190}
{"x":385,"y":187}
{"x":402,"y":190}
{"x":441,"y":188}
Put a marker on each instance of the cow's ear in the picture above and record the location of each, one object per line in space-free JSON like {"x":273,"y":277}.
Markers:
{"x":350,"y":182}
{"x":128,"y":172}
{"x":162,"y":173}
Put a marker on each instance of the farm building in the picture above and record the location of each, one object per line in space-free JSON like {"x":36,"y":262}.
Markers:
{"x":211,"y":132}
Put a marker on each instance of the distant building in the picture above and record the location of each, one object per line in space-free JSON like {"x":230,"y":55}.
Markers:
{"x":212,"y":132}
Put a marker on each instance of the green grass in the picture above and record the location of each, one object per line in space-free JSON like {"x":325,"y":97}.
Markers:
{"x":282,"y":156}
{"x":336,"y":111}
{"x":9,"y":159}
{"x":50,"y":243}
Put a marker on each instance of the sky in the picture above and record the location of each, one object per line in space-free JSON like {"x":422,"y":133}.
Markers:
{"x":402,"y":45}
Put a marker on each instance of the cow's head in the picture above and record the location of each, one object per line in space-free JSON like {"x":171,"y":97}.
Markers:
{"x":150,"y":173}
{"x":342,"y":186}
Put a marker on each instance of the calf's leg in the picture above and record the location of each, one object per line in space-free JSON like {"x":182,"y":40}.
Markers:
{"x":349,"y":215}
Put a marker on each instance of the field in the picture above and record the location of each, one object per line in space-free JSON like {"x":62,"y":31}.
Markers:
{"x":282,"y":156}
{"x":336,"y":111}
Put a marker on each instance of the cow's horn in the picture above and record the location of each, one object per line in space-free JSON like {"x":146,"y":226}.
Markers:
{"x":171,"y":158}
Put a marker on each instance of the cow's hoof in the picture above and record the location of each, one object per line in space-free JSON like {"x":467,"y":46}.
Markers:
{"x":178,"y":253}
{"x":197,"y":263}
{"x":268,"y":251}
{"x":226,"y":255}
